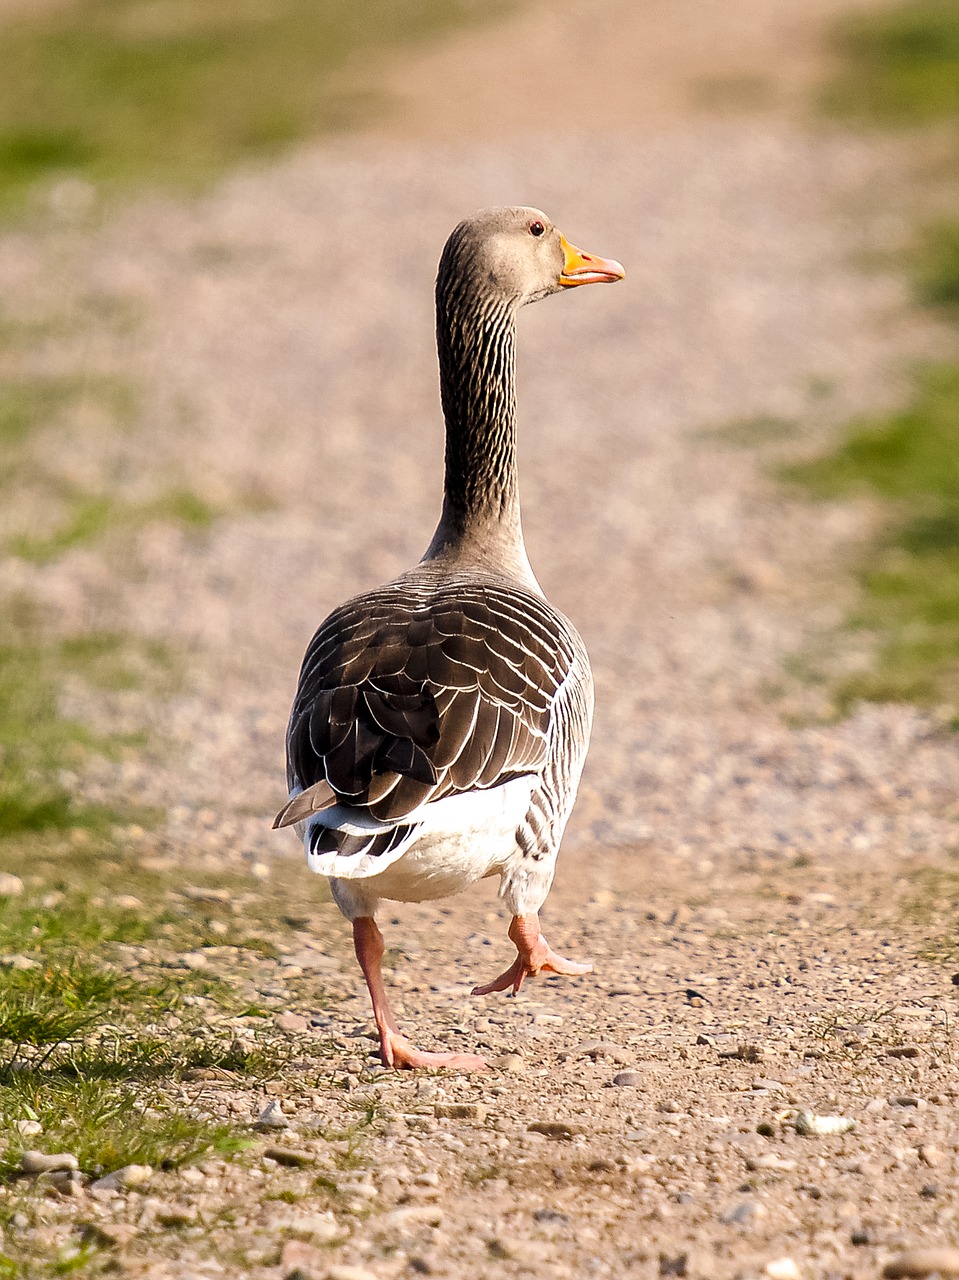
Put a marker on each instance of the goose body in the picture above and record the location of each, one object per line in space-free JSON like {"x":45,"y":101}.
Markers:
{"x":441,"y":721}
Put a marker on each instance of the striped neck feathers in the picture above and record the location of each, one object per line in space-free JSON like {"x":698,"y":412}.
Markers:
{"x":475,"y":335}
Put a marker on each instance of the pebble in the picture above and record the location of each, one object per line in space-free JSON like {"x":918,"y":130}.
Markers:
{"x":41,"y":1162}
{"x":914,"y":1264}
{"x":271,"y":1117}
{"x":930,"y":1155}
{"x":740,"y":1214}
{"x":811,"y":1125}
{"x":512,"y":1062}
{"x":320,"y":1228}
{"x":191,"y":960}
{"x":628,"y":1079}
{"x":28,"y":1128}
{"x":110,"y":1235}
{"x":348,"y":1273}
{"x":770,"y":1162}
{"x":782,"y":1269}
{"x":554,"y":1129}
{"x":291,"y":1022}
{"x":744,"y":1053}
{"x":597,"y":1049}
{"x":11,"y":886}
{"x":125,"y":1179}
{"x":177,"y":1215}
{"x":288,"y":1157}
{"x":459,"y":1111}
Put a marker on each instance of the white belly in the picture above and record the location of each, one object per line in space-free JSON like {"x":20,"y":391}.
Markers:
{"x":459,"y":840}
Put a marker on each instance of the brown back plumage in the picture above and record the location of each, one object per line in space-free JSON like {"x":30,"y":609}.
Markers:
{"x":434,"y":684}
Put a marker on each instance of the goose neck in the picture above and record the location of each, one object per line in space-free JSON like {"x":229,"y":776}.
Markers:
{"x":477,"y":358}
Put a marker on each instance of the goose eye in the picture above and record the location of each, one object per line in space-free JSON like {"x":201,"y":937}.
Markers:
{"x":536,"y":229}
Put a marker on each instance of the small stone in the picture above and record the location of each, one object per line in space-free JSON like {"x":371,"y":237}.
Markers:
{"x":291,"y":1022}
{"x":300,"y":1261}
{"x":28,"y":1128}
{"x":550,"y":1217}
{"x":110,"y":1235}
{"x":503,"y":1250}
{"x":11,"y":886}
{"x":862,"y":1236}
{"x":930,"y":1191}
{"x":271,"y":1117}
{"x":914,"y":1264}
{"x":192,"y":960}
{"x":739,"y":1215}
{"x":930,"y":1155}
{"x":177,"y":1215}
{"x":459,"y":1111}
{"x":677,"y":1266}
{"x":511,"y":1062}
{"x":744,"y":1053}
{"x":288,"y":1157}
{"x":810,"y":1125}
{"x":771,"y":1163}
{"x":669,"y":1107}
{"x":125,"y":1179}
{"x":554,"y":1129}
{"x":348,"y":1273}
{"x":17,"y":961}
{"x":903,"y":1051}
{"x":628,"y":1079}
{"x":597,"y":1049}
{"x":320,"y":1228}
{"x":40,"y":1162}
{"x":903,"y":1100}
{"x":782,"y":1269}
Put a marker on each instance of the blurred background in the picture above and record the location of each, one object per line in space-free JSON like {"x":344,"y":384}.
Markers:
{"x":218,"y":411}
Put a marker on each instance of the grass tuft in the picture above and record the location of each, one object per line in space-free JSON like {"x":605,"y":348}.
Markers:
{"x":909,"y":574}
{"x":937,"y":267}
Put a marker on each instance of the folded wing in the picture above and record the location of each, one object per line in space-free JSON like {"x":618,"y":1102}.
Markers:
{"x":409,"y":694}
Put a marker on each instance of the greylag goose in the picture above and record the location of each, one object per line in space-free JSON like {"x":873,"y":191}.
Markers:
{"x":441,"y":721}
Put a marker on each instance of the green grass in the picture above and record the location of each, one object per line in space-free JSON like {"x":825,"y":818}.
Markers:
{"x":754,"y":432}
{"x":909,"y":575}
{"x":38,"y":745}
{"x":91,"y":515}
{"x":118,"y":91}
{"x":937,"y":267}
{"x":901,"y":65}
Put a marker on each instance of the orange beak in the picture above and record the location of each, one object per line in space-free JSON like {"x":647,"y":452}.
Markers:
{"x":585,"y":268}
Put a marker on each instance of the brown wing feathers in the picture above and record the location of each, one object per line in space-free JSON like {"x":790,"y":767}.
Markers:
{"x":408,"y":694}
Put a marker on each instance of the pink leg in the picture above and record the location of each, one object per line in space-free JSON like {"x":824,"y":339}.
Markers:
{"x":533,"y":954}
{"x":395,"y":1049}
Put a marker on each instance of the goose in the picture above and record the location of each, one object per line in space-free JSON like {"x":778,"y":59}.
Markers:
{"x":441,"y":722}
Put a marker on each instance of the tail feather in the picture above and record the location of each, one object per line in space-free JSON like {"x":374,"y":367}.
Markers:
{"x":333,"y":852}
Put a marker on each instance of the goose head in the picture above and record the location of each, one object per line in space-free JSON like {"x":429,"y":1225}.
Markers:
{"x":516,"y":255}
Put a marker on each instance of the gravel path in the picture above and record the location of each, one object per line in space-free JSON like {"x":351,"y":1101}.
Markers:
{"x":738,"y":880}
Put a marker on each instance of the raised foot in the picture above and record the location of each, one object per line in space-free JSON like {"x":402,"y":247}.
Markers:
{"x":541,"y":956}
{"x":399,"y":1054}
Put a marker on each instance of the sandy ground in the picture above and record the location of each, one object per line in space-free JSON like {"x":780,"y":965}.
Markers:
{"x":752,"y":883}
